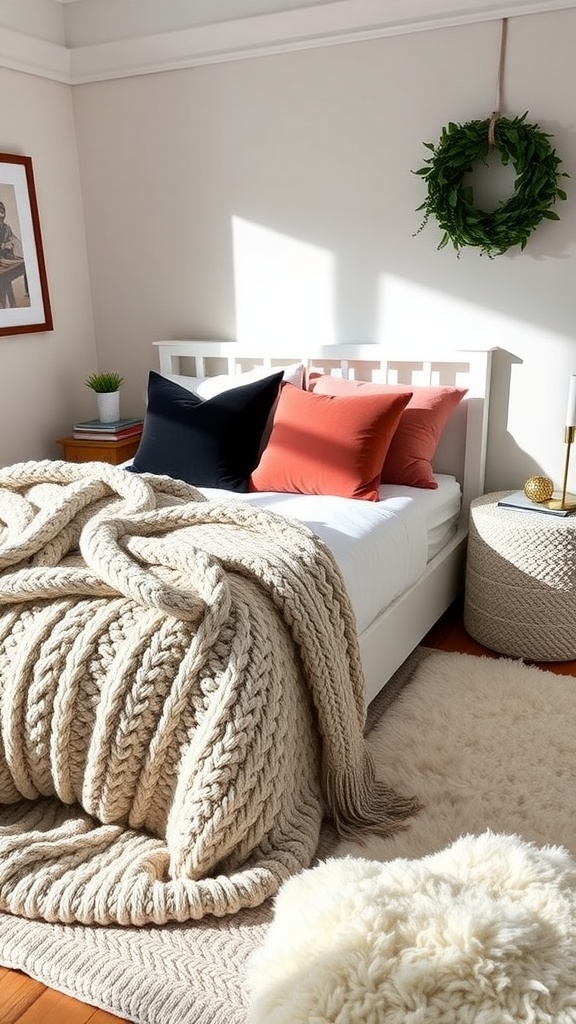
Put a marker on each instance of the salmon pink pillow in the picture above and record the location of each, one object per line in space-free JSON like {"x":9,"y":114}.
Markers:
{"x":328,"y":444}
{"x":409,"y":457}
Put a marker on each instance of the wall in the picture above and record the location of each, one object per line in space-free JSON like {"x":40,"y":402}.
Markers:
{"x":272,"y":197}
{"x":41,"y":375}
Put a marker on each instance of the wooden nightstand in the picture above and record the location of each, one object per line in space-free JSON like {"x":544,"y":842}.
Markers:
{"x":115,"y":452}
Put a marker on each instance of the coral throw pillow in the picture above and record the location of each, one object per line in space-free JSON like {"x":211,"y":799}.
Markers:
{"x":409,"y":457}
{"x":327,"y":444}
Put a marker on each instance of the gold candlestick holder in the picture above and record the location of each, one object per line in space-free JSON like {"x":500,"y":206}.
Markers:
{"x":565,"y":502}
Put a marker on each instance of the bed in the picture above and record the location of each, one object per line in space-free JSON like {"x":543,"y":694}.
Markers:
{"x":183,"y":674}
{"x":423,"y":588}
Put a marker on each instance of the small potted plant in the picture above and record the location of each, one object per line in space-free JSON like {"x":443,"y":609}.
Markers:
{"x":107,"y":387}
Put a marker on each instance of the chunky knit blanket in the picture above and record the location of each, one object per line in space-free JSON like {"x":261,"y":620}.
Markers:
{"x":181,"y":700}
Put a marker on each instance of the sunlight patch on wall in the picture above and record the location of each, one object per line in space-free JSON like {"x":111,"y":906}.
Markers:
{"x":412,"y":314}
{"x":284,"y":289}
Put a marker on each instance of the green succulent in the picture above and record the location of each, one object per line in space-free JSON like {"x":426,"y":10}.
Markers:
{"x":103,"y":383}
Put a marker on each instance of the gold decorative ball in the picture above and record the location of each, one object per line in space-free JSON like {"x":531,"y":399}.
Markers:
{"x":538,"y":488}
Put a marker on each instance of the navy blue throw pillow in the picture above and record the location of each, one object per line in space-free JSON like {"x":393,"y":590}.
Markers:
{"x":212,"y":442}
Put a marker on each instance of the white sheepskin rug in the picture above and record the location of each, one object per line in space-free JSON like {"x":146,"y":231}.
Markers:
{"x":482,"y":932}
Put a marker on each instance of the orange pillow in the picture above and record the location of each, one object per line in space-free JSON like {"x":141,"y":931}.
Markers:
{"x":409,"y":457}
{"x":323,"y":444}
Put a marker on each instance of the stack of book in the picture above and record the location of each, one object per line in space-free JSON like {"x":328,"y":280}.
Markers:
{"x":95,"y":430}
{"x":519,"y":500}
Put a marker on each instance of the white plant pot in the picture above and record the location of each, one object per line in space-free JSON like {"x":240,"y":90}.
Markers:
{"x":108,"y":406}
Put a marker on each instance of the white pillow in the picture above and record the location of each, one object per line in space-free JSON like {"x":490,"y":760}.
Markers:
{"x":207,"y":387}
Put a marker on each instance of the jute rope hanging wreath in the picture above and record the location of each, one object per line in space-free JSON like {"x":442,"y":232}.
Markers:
{"x":450,"y":197}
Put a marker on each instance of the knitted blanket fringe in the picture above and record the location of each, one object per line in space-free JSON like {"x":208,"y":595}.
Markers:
{"x":181,"y":700}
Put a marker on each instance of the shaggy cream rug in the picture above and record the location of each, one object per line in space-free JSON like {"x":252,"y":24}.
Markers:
{"x":482,"y":931}
{"x":484,"y":744}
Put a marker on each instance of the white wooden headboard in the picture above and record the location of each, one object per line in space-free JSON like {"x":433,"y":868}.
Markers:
{"x":462,"y":450}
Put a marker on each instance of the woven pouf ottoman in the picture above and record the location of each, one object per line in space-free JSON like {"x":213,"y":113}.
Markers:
{"x":520,"y":596}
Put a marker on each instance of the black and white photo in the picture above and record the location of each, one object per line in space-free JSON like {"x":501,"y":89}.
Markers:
{"x":24,"y":300}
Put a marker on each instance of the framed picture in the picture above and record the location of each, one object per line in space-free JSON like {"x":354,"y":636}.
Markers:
{"x":24,"y":299}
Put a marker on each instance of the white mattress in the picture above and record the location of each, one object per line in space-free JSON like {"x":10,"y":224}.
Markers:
{"x":381,"y":547}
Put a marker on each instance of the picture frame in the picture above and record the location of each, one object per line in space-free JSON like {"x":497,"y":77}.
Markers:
{"x":24,"y":297}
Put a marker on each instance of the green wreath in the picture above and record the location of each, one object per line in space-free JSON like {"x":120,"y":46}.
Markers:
{"x":451,"y":201}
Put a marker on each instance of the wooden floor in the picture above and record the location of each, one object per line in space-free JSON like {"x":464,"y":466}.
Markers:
{"x":24,"y":1001}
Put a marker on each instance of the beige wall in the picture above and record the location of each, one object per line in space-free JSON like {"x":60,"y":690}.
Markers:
{"x":272,"y":198}
{"x":41,"y":375}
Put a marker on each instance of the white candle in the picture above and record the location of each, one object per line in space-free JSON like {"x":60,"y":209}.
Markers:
{"x":571,"y":409}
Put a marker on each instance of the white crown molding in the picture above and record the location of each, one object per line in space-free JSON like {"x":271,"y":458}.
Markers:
{"x":342,"y":21}
{"x":34,"y":56}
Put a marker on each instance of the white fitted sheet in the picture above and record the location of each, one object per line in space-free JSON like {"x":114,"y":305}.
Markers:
{"x":381,"y":547}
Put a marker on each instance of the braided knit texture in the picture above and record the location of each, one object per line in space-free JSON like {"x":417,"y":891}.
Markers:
{"x":521,"y":581}
{"x":181,"y":700}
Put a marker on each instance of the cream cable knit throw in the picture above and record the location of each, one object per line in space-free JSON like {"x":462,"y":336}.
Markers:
{"x":181,"y":699}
